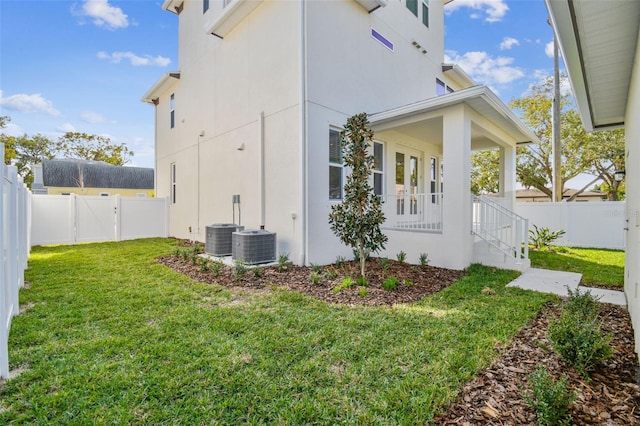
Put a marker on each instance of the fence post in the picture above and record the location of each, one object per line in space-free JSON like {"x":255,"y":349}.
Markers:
{"x":14,"y":282}
{"x":117,"y":206}
{"x":5,"y":316}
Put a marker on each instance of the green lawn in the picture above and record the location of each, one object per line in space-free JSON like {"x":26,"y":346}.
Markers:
{"x":597,"y":266}
{"x":111,"y":337}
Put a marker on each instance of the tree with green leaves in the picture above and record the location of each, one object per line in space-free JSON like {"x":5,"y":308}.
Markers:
{"x":607,"y":154}
{"x":356,"y":221}
{"x":485,"y":171}
{"x":92,"y":147}
{"x":8,"y":141}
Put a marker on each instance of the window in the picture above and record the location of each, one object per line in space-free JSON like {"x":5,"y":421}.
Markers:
{"x":425,"y":13}
{"x":433,"y":175}
{"x":440,"y":87}
{"x":412,"y":5}
{"x":205,"y":5}
{"x":173,"y":183}
{"x":378,"y":168}
{"x":172,"y":109}
{"x":335,"y":166}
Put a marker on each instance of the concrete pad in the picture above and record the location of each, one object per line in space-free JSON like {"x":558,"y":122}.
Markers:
{"x":546,"y":281}
{"x":606,"y":296}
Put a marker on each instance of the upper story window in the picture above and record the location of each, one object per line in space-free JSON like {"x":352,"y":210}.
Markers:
{"x":412,"y":5}
{"x":205,"y":5}
{"x":425,"y":13}
{"x":420,"y":12}
{"x":335,"y":165}
{"x":172,"y":110}
{"x":173,"y":183}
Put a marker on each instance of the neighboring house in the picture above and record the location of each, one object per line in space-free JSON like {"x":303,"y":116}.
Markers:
{"x":262,"y":90}
{"x":84,"y":177}
{"x":600,"y":44}
{"x":537,"y":196}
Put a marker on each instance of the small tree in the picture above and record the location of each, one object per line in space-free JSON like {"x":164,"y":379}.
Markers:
{"x":356,"y":221}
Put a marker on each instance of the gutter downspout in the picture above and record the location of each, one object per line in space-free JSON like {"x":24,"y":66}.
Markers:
{"x":261,"y":173}
{"x":303,"y":133}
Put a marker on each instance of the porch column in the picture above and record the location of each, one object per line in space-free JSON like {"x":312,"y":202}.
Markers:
{"x":456,"y":205}
{"x":507,"y":184}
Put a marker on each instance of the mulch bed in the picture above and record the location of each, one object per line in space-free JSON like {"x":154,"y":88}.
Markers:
{"x":496,"y":395}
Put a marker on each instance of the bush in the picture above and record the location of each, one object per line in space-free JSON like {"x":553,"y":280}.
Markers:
{"x":362,"y":281}
{"x":384,"y":263}
{"x":543,"y":237}
{"x":390,"y":283}
{"x":346,"y":283}
{"x":240,"y":269}
{"x":424,"y":259}
{"x":402,"y":256}
{"x":283,"y":262}
{"x":550,"y":398}
{"x":216,"y":267}
{"x":315,"y":277}
{"x":582,"y":306}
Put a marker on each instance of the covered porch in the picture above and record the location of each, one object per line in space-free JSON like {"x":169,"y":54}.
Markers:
{"x":425,"y":170}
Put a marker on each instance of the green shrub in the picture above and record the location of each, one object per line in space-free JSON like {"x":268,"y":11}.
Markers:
{"x":402,"y":256}
{"x":362,"y":281}
{"x":257,"y":272}
{"x":346,"y":283}
{"x":550,"y":399}
{"x":204,"y":265}
{"x":582,"y":306}
{"x":315,"y":277}
{"x":390,"y":283}
{"x":216,"y":267}
{"x":581,"y":343}
{"x":424,"y":259}
{"x":330,"y":274}
{"x":283,"y":262}
{"x":543,"y":237}
{"x":407,"y":282}
{"x":339,"y":261}
{"x":240,"y":269}
{"x":362,"y":292}
{"x":384,"y":263}
{"x":316,"y":268}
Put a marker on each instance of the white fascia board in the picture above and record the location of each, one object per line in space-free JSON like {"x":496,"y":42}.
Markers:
{"x":469,"y":96}
{"x":159,"y":87}
{"x":172,"y":6}
{"x":231,"y":16}
{"x":458,"y":75}
{"x":563,"y":27}
{"x":371,"y":5}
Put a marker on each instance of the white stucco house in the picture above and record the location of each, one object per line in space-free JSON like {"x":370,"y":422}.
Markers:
{"x":261,"y":92}
{"x":600,"y":44}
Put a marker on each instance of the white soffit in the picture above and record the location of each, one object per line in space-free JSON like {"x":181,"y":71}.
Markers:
{"x":598,"y":42}
{"x":174,"y":6}
{"x":371,"y":5}
{"x":160,"y":86}
{"x":231,"y":15}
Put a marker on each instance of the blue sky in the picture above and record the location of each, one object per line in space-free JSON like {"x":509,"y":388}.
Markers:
{"x":83,"y":65}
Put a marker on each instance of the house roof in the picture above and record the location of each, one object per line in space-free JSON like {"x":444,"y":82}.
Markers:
{"x":96,"y":174}
{"x":480,"y":98}
{"x":598,"y":40}
{"x":167,"y":79}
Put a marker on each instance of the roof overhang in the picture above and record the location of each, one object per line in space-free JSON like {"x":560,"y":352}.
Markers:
{"x":152,"y":95}
{"x":598,"y":40}
{"x":457,"y":74}
{"x":232,"y":14}
{"x":479,"y":98}
{"x":174,"y":6}
{"x":371,"y":5}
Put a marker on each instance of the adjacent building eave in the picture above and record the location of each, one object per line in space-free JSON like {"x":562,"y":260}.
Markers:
{"x":597,"y":40}
{"x":232,"y":14}
{"x":479,"y":98}
{"x":174,"y":6}
{"x":372,"y":5}
{"x":152,"y":95}
{"x":457,"y":74}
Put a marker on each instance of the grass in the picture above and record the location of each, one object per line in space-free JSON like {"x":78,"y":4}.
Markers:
{"x":597,"y":266}
{"x":112,"y":337}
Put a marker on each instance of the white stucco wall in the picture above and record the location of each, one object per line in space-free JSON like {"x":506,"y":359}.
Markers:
{"x":632,"y":137}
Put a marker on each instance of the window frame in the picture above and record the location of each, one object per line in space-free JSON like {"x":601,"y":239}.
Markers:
{"x":413,"y":3}
{"x":333,"y":165}
{"x":205,"y":6}
{"x":378,"y":171}
{"x":425,"y":13}
{"x":172,"y":110}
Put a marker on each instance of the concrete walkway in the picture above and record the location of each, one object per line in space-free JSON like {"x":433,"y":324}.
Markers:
{"x":557,"y":282}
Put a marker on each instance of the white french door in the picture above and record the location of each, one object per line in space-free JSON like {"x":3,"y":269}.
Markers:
{"x":407,"y":183}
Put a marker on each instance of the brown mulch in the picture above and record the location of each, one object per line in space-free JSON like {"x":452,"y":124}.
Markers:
{"x":495,"y":396}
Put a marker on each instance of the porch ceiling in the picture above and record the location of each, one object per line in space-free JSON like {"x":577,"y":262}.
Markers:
{"x":423,"y":120}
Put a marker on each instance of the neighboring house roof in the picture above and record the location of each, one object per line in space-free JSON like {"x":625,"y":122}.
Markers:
{"x":567,"y":193}
{"x":95,"y":174}
{"x":598,"y":39}
{"x":480,"y":98}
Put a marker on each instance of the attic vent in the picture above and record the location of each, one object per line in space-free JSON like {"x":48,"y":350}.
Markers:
{"x":218,"y":239}
{"x":254,"y":246}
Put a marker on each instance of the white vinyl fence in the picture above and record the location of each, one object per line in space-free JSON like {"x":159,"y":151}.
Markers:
{"x":590,"y":224}
{"x":14,"y":246}
{"x":70,"y":219}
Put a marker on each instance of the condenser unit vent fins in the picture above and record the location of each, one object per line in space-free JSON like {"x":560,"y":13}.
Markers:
{"x":254,"y":246}
{"x":218,"y":240}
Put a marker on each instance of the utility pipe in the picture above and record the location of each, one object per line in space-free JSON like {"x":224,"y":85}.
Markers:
{"x":303,"y":133}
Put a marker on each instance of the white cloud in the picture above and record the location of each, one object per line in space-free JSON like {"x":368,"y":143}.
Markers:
{"x":494,"y":9}
{"x":13,"y":130}
{"x":485,"y":69}
{"x":92,"y":117}
{"x":548,"y":49}
{"x":135,"y":60}
{"x":66,"y":127}
{"x":104,"y":14}
{"x":29,"y":103}
{"x":508,"y":43}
